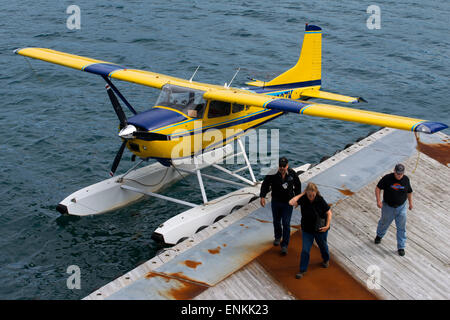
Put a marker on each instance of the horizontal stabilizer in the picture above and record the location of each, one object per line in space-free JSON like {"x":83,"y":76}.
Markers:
{"x":255,"y":83}
{"x":312,"y":93}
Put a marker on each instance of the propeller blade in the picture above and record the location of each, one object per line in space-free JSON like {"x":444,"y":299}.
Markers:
{"x":116,"y":105}
{"x":117,"y":158}
{"x":150,"y":136}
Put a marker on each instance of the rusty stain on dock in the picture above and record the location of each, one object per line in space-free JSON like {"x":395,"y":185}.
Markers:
{"x":215,"y":251}
{"x":191,"y":264}
{"x":187,"y":288}
{"x":345,"y":191}
{"x":438,"y":151}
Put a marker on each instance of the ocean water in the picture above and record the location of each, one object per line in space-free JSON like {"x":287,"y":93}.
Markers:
{"x":59,"y":132}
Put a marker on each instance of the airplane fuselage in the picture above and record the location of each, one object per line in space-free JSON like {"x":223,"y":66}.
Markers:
{"x":191,"y":135}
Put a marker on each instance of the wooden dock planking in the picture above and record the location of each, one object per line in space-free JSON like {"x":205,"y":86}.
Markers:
{"x":249,"y":283}
{"x":424,"y":273}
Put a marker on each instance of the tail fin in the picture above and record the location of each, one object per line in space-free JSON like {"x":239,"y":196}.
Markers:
{"x":308,"y":70}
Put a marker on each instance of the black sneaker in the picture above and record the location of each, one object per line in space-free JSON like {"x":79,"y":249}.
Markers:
{"x":325,"y":264}
{"x":276,"y":242}
{"x":401,"y":252}
{"x":377,"y":240}
{"x":284,"y":251}
{"x":299,"y":275}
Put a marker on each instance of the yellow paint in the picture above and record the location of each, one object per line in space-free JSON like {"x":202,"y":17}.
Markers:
{"x":315,"y":93}
{"x":361,"y":116}
{"x":309,"y":65}
{"x":308,"y":68}
{"x":184,"y":144}
{"x":57,"y":57}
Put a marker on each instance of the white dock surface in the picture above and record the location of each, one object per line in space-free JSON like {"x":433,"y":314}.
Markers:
{"x":423,"y":273}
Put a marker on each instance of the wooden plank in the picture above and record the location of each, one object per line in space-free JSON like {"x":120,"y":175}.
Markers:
{"x":424,"y":272}
{"x":250,"y":283}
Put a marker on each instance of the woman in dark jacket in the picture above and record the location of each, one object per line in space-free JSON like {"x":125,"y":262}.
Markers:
{"x":316,"y":218}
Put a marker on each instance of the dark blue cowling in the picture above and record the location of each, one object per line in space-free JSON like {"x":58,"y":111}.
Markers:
{"x":155,"y":118}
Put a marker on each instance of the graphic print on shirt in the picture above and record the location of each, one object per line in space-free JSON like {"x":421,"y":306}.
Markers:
{"x":397,"y":186}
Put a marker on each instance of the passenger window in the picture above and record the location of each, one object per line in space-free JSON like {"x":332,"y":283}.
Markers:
{"x":238,"y":107}
{"x":218,"y":109}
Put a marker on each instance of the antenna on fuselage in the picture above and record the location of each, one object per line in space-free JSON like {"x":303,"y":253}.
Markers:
{"x":190,"y":80}
{"x":228,"y":85}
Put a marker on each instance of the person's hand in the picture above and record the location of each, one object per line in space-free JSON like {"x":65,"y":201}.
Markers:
{"x":262,"y":201}
{"x":410,"y":206}
{"x":293,"y":203}
{"x":323,"y":229}
{"x":379,"y":204}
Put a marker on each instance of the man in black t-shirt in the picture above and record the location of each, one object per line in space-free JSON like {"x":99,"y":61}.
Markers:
{"x":396,"y":190}
{"x":285,"y":184}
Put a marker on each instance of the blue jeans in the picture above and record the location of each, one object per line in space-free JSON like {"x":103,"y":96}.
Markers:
{"x":387,"y":215}
{"x":307,"y":241}
{"x":282,"y":213}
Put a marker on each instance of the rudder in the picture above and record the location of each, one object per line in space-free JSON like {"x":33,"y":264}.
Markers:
{"x":308,"y":70}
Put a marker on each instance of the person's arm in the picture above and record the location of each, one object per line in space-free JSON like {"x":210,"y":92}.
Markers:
{"x":297,"y":185}
{"x":294,"y":201}
{"x":410,"y":200}
{"x":378,"y":196}
{"x":409,"y":194}
{"x":327,"y":226}
{"x":381,"y":185}
{"x":265,"y":188}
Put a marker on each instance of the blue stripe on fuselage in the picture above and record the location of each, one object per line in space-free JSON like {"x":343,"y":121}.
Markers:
{"x":241,"y":120}
{"x":227,"y":140}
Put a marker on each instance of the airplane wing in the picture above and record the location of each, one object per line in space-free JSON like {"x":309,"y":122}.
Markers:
{"x":102,"y":68}
{"x":232,"y":95}
{"x":326,"y":111}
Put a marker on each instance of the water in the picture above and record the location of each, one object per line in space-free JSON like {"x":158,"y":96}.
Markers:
{"x":58,"y":128}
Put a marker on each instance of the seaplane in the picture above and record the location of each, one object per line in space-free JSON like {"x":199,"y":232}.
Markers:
{"x":193,"y":126}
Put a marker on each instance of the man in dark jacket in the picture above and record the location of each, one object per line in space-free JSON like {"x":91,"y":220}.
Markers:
{"x":396,"y":189}
{"x":285,"y":184}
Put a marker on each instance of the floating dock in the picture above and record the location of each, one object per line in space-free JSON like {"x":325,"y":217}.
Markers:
{"x":234,"y":258}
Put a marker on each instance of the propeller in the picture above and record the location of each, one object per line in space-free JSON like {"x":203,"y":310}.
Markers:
{"x":117,"y":107}
{"x":117,"y":158}
{"x":128,"y":131}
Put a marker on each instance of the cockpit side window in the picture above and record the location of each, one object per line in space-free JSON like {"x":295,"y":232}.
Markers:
{"x":218,"y":109}
{"x":185,"y":100}
{"x":237,"y":107}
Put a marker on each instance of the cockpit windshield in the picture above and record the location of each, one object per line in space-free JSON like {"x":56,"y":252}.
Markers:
{"x":185,"y":100}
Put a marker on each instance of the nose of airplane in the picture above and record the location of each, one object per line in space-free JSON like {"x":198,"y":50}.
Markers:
{"x":155,"y":118}
{"x":127,"y":132}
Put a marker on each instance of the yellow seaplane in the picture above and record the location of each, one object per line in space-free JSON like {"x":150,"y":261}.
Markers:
{"x":191,"y":118}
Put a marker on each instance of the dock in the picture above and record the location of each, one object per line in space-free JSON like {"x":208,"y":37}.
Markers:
{"x":235,"y":259}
